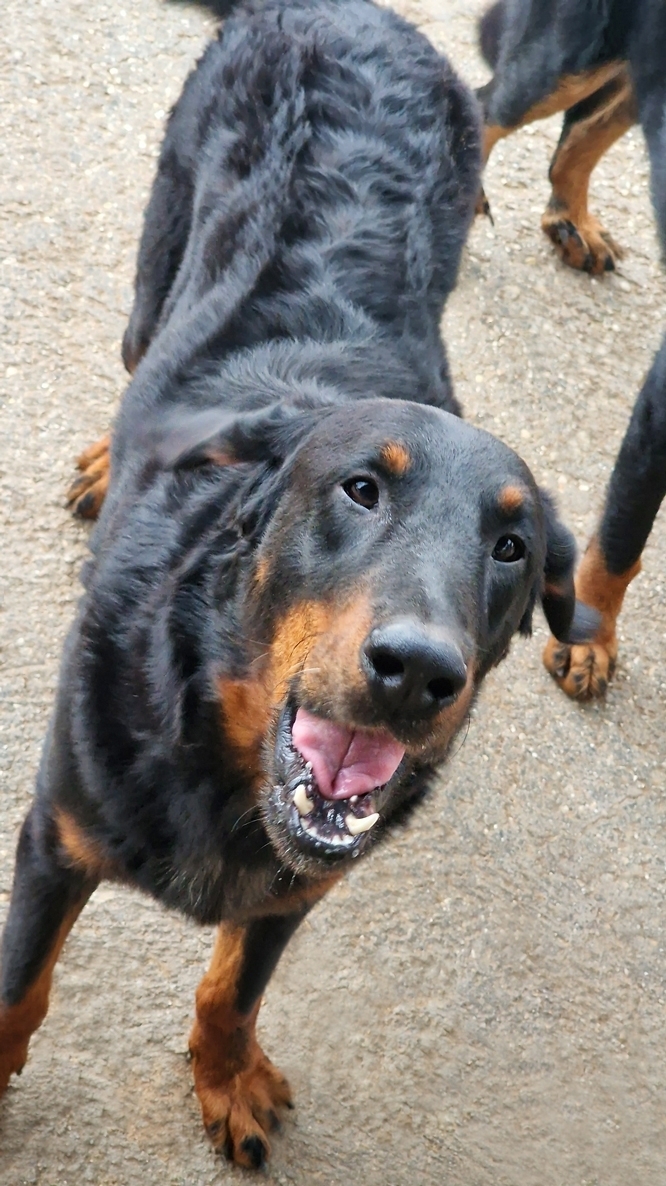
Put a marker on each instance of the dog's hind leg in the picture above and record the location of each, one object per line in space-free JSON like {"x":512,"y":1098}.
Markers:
{"x":635,"y":492}
{"x":588,"y":131}
{"x":47,"y":896}
{"x":166,"y":227}
{"x":613,"y":558}
{"x":163,"y":242}
{"x":592,"y":123}
{"x":505,"y":111}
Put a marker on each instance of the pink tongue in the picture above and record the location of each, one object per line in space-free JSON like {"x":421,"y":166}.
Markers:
{"x":344,"y":761}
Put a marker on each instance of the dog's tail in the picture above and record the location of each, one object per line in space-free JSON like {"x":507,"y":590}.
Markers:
{"x":491,"y":25}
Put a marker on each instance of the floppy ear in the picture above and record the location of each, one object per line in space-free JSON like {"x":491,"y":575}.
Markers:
{"x":569,"y":620}
{"x":266,"y":434}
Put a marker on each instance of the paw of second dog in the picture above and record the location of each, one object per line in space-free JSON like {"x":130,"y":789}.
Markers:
{"x":13,"y":1053}
{"x":582,"y":671}
{"x":584,"y":245}
{"x":87,"y":492}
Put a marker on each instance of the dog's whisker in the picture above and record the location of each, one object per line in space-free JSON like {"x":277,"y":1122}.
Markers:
{"x":463,"y":736}
{"x":251,"y":811}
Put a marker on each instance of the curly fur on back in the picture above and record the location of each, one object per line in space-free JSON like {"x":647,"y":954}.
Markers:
{"x":316,"y":185}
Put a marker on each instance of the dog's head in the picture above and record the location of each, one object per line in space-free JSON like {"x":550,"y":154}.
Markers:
{"x":396,"y":553}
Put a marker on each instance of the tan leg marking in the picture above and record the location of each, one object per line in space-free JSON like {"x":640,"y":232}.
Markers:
{"x":81,"y":851}
{"x":19,"y":1022}
{"x":579,"y":238}
{"x":571,"y":89}
{"x":87,"y":492}
{"x":583,"y":671}
{"x":239,"y":1089}
{"x":492,"y":133}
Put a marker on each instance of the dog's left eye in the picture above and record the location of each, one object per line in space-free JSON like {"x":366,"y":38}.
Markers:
{"x":508,"y":549}
{"x":363,"y":491}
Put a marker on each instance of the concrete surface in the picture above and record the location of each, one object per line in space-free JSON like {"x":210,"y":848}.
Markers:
{"x":482,"y":1004}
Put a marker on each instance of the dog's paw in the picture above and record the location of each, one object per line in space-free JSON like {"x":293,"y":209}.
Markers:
{"x":582,"y":671}
{"x":87,"y":492}
{"x":239,"y":1112}
{"x":13,"y":1055}
{"x":584,"y":245}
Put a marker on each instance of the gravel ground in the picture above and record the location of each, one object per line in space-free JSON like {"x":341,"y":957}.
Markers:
{"x":482,"y":1003}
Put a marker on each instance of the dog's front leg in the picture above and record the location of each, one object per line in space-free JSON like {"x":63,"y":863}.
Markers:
{"x":239,"y":1089}
{"x":636,"y":491}
{"x":48,"y":894}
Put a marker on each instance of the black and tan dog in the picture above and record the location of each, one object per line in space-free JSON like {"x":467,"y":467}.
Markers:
{"x":305,"y":564}
{"x":604,"y":64}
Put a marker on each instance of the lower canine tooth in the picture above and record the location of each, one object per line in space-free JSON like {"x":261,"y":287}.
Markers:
{"x":302,"y":804}
{"x":356,"y":825}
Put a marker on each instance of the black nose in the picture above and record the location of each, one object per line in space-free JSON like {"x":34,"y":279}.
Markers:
{"x":410,"y":671}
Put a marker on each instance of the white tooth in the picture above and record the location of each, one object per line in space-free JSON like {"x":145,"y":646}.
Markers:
{"x":356,"y":825}
{"x":354,"y":799}
{"x":302,"y":804}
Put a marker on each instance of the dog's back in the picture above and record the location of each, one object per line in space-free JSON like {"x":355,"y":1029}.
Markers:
{"x":297,"y":587}
{"x":324,"y":160}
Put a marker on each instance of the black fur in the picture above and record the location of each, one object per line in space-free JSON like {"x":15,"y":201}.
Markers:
{"x":313,"y":194}
{"x":264,"y":944}
{"x":491,"y":24}
{"x":532,"y":44}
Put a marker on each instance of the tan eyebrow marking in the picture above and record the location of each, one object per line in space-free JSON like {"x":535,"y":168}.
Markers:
{"x":396,"y":458}
{"x":511,"y":499}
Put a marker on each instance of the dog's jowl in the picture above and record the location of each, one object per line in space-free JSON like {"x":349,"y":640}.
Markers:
{"x":305,"y":563}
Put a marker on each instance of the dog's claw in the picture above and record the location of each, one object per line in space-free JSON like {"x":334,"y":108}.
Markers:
{"x":581,"y":670}
{"x":87,"y":492}
{"x":483,"y":206}
{"x":586,"y":247}
{"x":255,"y":1151}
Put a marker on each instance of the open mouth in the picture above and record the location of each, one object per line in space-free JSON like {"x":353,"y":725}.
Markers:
{"x":329,"y":782}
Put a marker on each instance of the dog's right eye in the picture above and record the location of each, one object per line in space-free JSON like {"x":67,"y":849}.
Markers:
{"x":363,"y":491}
{"x":508,"y":549}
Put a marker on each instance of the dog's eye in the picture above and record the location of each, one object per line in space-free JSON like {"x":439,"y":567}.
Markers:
{"x":363,"y":491}
{"x":508,"y":549}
